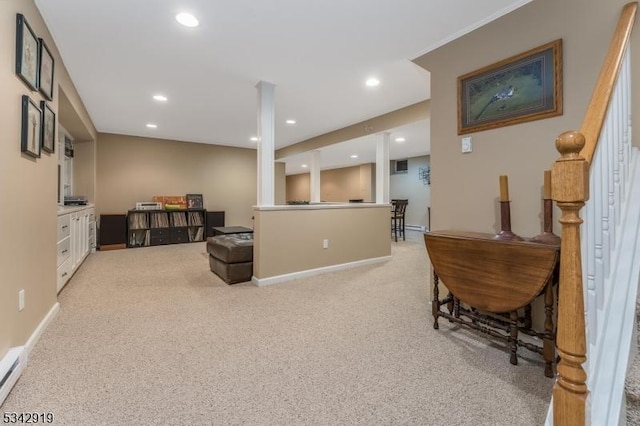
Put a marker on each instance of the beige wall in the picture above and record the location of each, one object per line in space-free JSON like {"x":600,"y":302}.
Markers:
{"x":409,"y":186}
{"x":132,"y":169}
{"x":84,"y":170}
{"x":465,"y":186}
{"x":354,"y":233}
{"x":28,"y":223}
{"x":347,"y":183}
{"x":299,"y":187}
{"x":280,"y":183}
{"x":336,"y":185}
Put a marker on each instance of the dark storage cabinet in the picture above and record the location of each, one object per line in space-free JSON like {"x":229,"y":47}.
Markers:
{"x":214,"y":220}
{"x":157,"y":227}
{"x":113,"y":229}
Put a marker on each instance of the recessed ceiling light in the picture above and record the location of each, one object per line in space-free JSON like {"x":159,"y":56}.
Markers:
{"x":290,"y":121}
{"x":354,"y":155}
{"x":187,"y":19}
{"x":254,"y":139}
{"x":400,"y":139}
{"x":152,"y":126}
{"x":160,"y":98}
{"x":373,"y":82}
{"x":304,"y":166}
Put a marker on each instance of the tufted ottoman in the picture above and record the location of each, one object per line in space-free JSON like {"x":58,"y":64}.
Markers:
{"x":231,"y":257}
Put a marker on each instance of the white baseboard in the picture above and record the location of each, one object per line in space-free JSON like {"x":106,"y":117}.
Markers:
{"x":42,"y":326}
{"x":15,"y":361}
{"x":260,"y":282}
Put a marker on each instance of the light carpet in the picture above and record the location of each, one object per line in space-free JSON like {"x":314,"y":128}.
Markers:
{"x":151,"y":336}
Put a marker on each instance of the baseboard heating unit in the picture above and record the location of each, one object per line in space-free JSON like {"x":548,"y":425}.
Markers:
{"x":11,"y":366}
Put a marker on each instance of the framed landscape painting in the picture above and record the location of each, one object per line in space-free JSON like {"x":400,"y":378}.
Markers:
{"x":518,"y":89}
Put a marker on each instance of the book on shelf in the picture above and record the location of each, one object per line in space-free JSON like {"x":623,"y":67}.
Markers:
{"x":195,"y":219}
{"x":196,"y":234}
{"x":159,"y":220}
{"x":179,"y":219}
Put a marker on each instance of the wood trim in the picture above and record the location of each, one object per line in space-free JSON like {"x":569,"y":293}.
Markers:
{"x":597,"y":109}
{"x":570,"y":190}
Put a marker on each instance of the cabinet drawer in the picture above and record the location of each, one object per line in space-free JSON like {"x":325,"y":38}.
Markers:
{"x":156,"y":241}
{"x":64,"y":225}
{"x":179,"y":235}
{"x":64,"y":250}
{"x":92,"y":215}
{"x":64,"y":273}
{"x":160,"y":233}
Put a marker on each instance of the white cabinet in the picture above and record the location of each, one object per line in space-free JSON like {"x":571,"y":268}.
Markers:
{"x":76,"y":234}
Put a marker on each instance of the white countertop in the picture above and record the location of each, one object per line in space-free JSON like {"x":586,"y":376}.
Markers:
{"x":323,"y":206}
{"x":70,"y":209}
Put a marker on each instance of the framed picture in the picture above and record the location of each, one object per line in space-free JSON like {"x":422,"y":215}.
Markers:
{"x":31,"y":123}
{"x":521,"y":88}
{"x":48,"y":134}
{"x":26,"y":52}
{"x":194,"y":201}
{"x":45,"y":71}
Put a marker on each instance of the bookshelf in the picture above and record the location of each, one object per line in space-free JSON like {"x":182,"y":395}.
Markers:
{"x":157,"y":227}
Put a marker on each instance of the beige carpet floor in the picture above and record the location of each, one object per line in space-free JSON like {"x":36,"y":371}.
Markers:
{"x":150,"y":336}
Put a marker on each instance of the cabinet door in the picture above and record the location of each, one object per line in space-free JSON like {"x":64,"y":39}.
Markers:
{"x":113,"y":229}
{"x":76,"y":240}
{"x":214,"y":219}
{"x":84,"y":237}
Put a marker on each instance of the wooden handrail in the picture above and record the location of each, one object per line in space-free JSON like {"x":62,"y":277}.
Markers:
{"x":597,"y":110}
{"x":570,"y":190}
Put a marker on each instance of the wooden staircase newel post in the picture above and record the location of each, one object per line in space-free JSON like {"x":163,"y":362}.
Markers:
{"x":570,"y":190}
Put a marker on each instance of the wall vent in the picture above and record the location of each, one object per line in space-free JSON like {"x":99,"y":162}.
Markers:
{"x":402,"y":166}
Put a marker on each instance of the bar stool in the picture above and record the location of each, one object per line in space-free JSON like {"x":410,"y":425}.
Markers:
{"x":398,"y":208}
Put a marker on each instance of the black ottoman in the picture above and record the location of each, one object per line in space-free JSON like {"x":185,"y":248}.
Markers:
{"x":231,"y":257}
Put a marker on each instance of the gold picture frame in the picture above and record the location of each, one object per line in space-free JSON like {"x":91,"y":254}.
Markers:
{"x":518,"y":89}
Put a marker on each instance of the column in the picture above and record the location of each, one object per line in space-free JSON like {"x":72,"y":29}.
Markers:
{"x":382,"y":169}
{"x":266,"y":143}
{"x":315,"y":177}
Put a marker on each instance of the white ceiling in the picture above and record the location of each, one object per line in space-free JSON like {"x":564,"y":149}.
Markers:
{"x":318,"y":53}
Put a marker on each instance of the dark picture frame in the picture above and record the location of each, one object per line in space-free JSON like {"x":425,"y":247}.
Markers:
{"x":48,"y":133}
{"x":518,"y":89}
{"x":31,"y":127}
{"x":27,"y":54}
{"x":46,"y":65}
{"x":194,"y":201}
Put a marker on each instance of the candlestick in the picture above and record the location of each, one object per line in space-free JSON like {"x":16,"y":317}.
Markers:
{"x":505,"y":212}
{"x":547,"y":184}
{"x":504,"y":188}
{"x":547,"y":236}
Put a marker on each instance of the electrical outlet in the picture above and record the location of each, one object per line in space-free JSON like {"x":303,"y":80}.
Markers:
{"x":467,"y":146}
{"x":325,"y":243}
{"x":21,"y":300}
